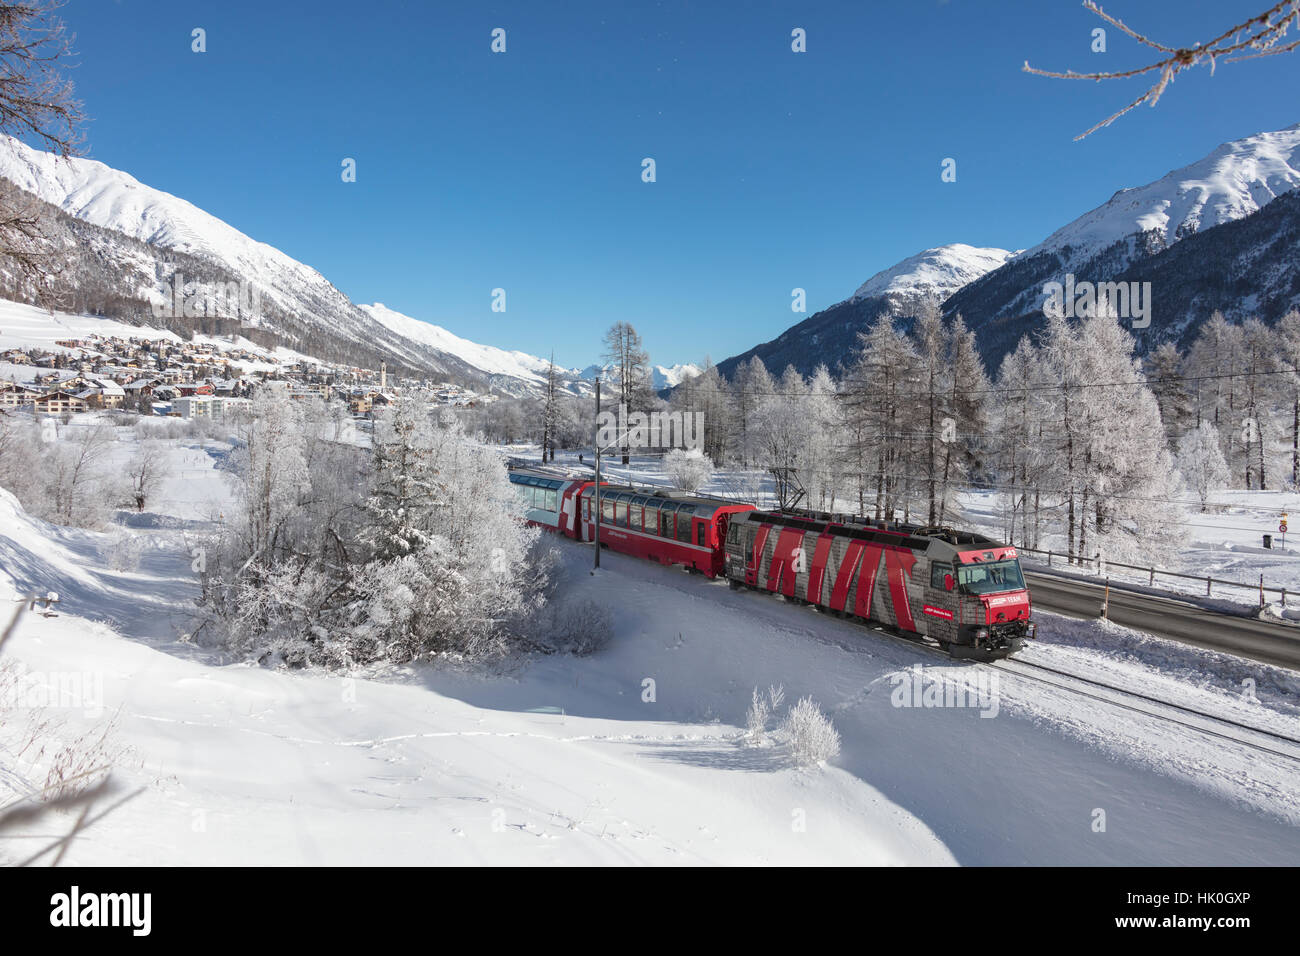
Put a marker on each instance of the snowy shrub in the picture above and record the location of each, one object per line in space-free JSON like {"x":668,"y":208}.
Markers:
{"x":124,"y":550}
{"x":812,"y":737}
{"x":80,"y":487}
{"x":578,"y":626}
{"x":761,"y":710}
{"x":450,"y":569}
{"x":757,"y":716}
{"x":20,"y":446}
{"x":78,"y":764}
{"x":688,"y":470}
{"x":1201,"y":462}
{"x":35,"y":746}
{"x":144,"y":473}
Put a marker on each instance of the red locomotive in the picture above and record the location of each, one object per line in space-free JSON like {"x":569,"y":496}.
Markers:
{"x":962,"y":590}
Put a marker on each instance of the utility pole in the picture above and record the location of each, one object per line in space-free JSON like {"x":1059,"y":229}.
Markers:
{"x":596,"y":442}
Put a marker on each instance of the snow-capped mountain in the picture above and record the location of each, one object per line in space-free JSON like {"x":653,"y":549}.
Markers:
{"x":510,"y":371}
{"x":514,"y":367}
{"x":1235,"y":265}
{"x":128,"y":241}
{"x":671,"y":376}
{"x":935,"y":272}
{"x":1221,"y":233}
{"x":292,"y":298}
{"x":1237,"y":179}
{"x":661,"y":377}
{"x":831,"y":336}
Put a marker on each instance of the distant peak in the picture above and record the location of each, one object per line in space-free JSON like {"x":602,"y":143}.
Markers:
{"x":939,"y":271}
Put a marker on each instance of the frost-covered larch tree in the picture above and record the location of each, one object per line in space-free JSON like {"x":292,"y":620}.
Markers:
{"x":1200,"y":461}
{"x":932,"y":348}
{"x":967,"y":412}
{"x":1016,"y":418}
{"x":1125,"y":476}
{"x":450,"y":570}
{"x":776,"y":431}
{"x":821,"y":468}
{"x":751,"y":383}
{"x":883,"y":414}
{"x":1288,"y":334}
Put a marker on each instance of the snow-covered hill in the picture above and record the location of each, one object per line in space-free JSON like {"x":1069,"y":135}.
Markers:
{"x":114,"y":200}
{"x":1237,"y":263}
{"x":1232,"y":182}
{"x":935,"y":272}
{"x":1224,"y":201}
{"x":513,"y":371}
{"x":529,"y":370}
{"x":661,"y":376}
{"x":830,"y":336}
{"x":295,"y":304}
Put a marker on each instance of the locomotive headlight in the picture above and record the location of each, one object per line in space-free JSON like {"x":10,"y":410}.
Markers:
{"x":1031,"y":630}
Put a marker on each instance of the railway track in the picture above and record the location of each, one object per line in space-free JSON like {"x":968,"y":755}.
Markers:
{"x":1217,"y":726}
{"x":1279,"y":744}
{"x":1210,"y":725}
{"x":1169,"y":617}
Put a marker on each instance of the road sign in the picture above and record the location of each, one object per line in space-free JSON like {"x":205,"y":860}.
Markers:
{"x":1282,"y":527}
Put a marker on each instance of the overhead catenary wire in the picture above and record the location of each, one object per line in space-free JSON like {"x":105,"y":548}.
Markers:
{"x":1003,"y":389}
{"x":992,"y":488}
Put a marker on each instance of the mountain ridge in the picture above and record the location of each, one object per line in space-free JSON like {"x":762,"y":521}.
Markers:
{"x":1138,"y":225}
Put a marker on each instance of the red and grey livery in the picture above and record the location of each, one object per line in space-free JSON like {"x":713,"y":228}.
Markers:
{"x":962,"y":590}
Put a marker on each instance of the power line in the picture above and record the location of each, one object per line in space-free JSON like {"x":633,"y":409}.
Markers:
{"x":1005,"y":389}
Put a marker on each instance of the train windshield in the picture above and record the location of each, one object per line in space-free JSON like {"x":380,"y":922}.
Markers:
{"x":991,"y":578}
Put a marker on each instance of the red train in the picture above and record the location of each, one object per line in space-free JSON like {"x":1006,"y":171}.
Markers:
{"x":962,"y":590}
{"x":665,"y":526}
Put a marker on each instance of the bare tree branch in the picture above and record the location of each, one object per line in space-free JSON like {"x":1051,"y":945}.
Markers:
{"x":1261,"y":34}
{"x":36,"y":103}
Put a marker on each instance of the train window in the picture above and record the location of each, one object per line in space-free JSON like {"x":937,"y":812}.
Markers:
{"x":651,"y":516}
{"x":702,"y":535}
{"x":991,"y":577}
{"x":937,"y":572}
{"x":666,"y":520}
{"x":606,"y":510}
{"x":684,"y":514}
{"x":634,"y":515}
{"x":552,"y":500}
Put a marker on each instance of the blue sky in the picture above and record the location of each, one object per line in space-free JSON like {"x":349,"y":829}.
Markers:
{"x":522,"y":170}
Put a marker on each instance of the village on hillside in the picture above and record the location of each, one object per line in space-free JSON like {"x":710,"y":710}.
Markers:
{"x":188,"y":380}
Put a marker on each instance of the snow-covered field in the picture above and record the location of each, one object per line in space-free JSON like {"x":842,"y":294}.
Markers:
{"x":633,"y":755}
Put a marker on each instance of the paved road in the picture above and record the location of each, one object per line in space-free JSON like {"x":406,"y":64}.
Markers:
{"x":1171,"y":618}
